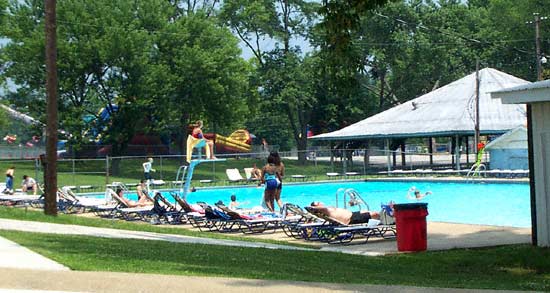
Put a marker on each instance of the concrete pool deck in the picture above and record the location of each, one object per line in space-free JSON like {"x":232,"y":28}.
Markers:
{"x":23,"y":270}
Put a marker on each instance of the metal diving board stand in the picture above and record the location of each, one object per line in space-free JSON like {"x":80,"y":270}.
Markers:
{"x":189,"y":174}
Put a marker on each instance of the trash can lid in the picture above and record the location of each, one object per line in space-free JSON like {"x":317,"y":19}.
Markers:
{"x":410,"y":206}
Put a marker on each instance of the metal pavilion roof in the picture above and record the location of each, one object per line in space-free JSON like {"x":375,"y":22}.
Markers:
{"x":446,"y":111}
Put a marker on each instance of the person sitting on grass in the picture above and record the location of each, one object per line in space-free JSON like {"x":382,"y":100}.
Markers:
{"x":29,"y":184}
{"x":344,"y":216}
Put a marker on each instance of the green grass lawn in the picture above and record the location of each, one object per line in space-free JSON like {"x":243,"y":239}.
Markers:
{"x":515,"y":267}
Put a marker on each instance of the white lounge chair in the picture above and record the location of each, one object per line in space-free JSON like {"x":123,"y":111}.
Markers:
{"x":333,"y":175}
{"x":234,"y":175}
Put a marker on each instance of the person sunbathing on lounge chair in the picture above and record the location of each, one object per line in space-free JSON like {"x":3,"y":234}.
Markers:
{"x":345,"y":216}
{"x":143,"y":193}
{"x":130,"y":203}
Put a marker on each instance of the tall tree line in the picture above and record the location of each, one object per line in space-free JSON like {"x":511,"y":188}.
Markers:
{"x":157,"y":65}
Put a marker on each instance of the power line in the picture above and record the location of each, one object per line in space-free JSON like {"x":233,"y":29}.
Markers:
{"x":455,"y":34}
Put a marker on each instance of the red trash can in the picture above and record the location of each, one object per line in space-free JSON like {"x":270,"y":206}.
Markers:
{"x":410,"y":219}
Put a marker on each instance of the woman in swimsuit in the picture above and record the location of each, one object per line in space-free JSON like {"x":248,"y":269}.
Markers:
{"x":281,"y":172}
{"x":197,"y":133}
{"x":271,"y":178}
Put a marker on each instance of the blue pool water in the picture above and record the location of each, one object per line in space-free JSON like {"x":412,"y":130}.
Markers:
{"x":500,"y":204}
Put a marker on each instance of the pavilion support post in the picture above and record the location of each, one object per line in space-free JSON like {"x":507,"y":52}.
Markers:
{"x":457,"y":152}
{"x":366,"y":158}
{"x":345,"y":164}
{"x":331,"y":155}
{"x":431,"y":151}
{"x":452,"y":151}
{"x":403,"y":156}
{"x":467,"y":151}
{"x":394,"y":158}
{"x":388,"y":154}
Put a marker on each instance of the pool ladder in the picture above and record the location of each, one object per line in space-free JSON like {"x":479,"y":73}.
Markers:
{"x":352,"y":198}
{"x":180,"y":177}
{"x":476,"y":171}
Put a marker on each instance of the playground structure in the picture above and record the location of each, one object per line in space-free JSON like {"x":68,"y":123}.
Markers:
{"x":237,"y":142}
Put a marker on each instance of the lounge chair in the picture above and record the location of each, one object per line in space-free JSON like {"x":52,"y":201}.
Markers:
{"x":70,"y":202}
{"x":333,"y":175}
{"x":130,"y":212}
{"x":18,"y":199}
{"x":257,"y":223}
{"x":248,"y":174}
{"x":338,"y":232}
{"x":218,"y":221}
{"x":296,"y":221}
{"x":234,"y":175}
{"x":352,"y":174}
{"x":158,"y":182}
{"x":298,"y":177}
{"x":194,"y":214}
{"x":165,"y":212}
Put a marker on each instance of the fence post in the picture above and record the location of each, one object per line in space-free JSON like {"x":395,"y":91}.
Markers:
{"x":36,"y":168}
{"x":160,"y":167}
{"x":74,"y":178}
{"x":345,"y":164}
{"x":106,"y":169}
{"x":365,"y":156}
{"x":315,"y":158}
{"x":388,"y":154}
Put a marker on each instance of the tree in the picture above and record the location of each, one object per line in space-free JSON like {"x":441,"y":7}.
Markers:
{"x":410,"y":50}
{"x":139,"y":60}
{"x":190,"y":7}
{"x":280,"y":21}
{"x":510,"y":37}
{"x":288,"y":89}
{"x":4,"y":122}
{"x":199,"y":75}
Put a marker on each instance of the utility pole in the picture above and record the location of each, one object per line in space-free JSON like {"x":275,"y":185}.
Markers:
{"x":537,"y":44}
{"x":476,"y":137}
{"x":50,"y":170}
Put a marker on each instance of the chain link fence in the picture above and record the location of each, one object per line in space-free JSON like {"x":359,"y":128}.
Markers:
{"x":321,"y":163}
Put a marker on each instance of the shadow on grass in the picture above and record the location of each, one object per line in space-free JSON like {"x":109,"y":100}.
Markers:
{"x":516,"y":267}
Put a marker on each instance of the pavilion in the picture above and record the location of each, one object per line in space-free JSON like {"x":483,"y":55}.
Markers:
{"x":445,"y":112}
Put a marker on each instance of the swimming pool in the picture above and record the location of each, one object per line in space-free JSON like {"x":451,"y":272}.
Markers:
{"x":500,"y":204}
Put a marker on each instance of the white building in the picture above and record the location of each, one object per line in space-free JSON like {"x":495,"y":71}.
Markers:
{"x":509,"y":151}
{"x":537,"y":95}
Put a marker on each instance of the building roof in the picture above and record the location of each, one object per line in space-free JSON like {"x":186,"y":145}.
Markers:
{"x":446,"y":111}
{"x":534,"y":92}
{"x":513,"y":139}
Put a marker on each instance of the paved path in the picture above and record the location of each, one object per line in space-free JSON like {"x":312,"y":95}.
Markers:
{"x":13,"y":255}
{"x":22,"y":270}
{"x":73,"y":281}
